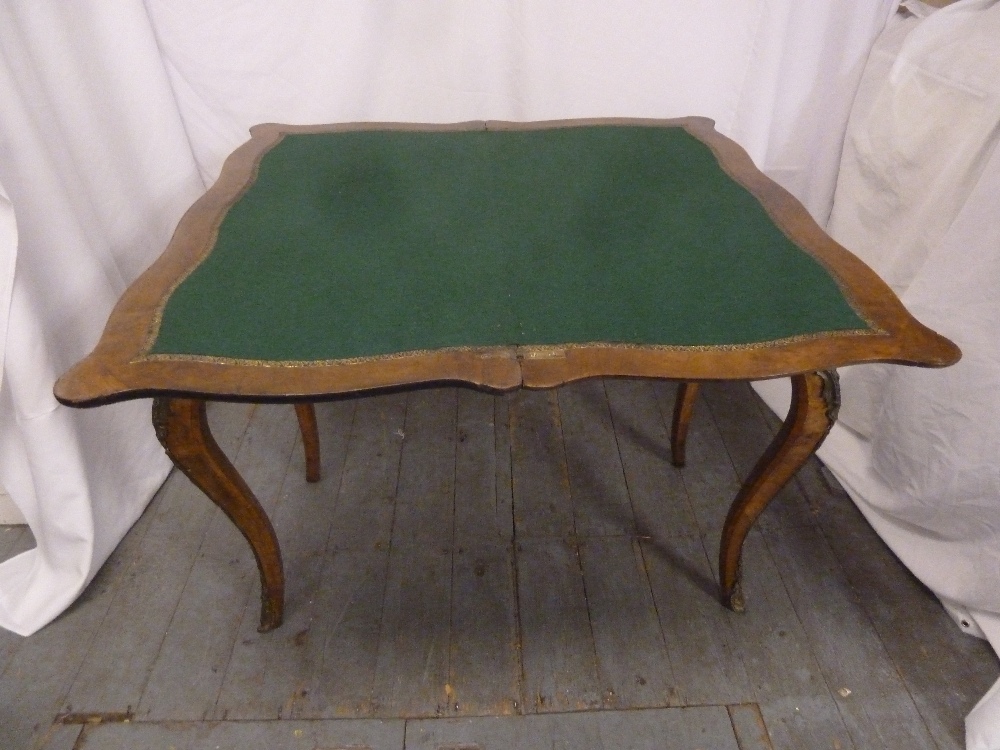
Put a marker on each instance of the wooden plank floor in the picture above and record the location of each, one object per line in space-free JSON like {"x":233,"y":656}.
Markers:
{"x":483,"y":571}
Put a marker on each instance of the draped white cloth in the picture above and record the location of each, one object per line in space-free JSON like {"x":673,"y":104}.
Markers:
{"x":96,"y":165}
{"x":917,"y":199}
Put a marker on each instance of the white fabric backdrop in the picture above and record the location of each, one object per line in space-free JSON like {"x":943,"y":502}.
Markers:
{"x":917,"y":199}
{"x":778,"y":76}
{"x":95,"y":161}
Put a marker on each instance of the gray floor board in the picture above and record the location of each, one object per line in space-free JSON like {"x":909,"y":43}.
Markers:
{"x":691,"y":727}
{"x":363,"y":513}
{"x":246,"y":735}
{"x":746,"y":435}
{"x":708,"y":476}
{"x":265,"y":674}
{"x":342,"y":645}
{"x":411,"y":672}
{"x":39,"y":672}
{"x":425,"y":494}
{"x":9,"y":645}
{"x":119,"y":663}
{"x":481,"y":733}
{"x":504,"y":464}
{"x":61,"y":737}
{"x":37,"y":677}
{"x":873,"y":700}
{"x":703,"y":649}
{"x":222,"y":587}
{"x":542,"y":500}
{"x":632,"y":657}
{"x":413,"y":594}
{"x":482,"y":469}
{"x":655,"y":729}
{"x":930,"y":653}
{"x":660,"y":502}
{"x":343,"y":641}
{"x":601,"y":502}
{"x":797,"y":704}
{"x":484,"y":657}
{"x":749,"y":727}
{"x":14,"y":539}
{"x":187,"y":675}
{"x":557,"y":643}
{"x":788,"y":683}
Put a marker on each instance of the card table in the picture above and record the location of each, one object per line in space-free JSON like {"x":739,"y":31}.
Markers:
{"x":337,"y":259}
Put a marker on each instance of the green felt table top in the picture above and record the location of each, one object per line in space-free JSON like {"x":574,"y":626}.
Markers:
{"x":369,"y":243}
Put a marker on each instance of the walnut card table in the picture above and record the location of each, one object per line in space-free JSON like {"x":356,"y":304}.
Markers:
{"x":337,"y":259}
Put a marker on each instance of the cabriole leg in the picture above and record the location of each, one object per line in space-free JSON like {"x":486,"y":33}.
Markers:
{"x":182,"y":426}
{"x":815,"y":401}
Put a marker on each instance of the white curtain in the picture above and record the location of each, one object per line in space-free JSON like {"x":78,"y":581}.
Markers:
{"x":921,"y":184}
{"x":778,"y":76}
{"x":116,"y":115}
{"x":96,"y":165}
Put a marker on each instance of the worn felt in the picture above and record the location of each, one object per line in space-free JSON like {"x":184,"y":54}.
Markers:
{"x":369,"y":243}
